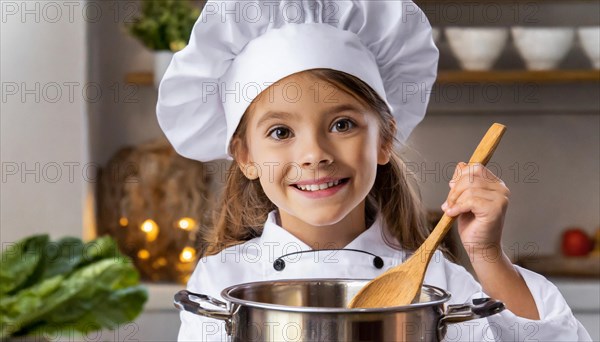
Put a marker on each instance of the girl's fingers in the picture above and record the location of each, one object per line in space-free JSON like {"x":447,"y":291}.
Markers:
{"x":471,"y":171}
{"x":474,"y":176}
{"x":495,"y":189}
{"x":466,"y":205}
{"x":469,"y":193}
{"x":474,"y":204}
{"x":458,"y":171}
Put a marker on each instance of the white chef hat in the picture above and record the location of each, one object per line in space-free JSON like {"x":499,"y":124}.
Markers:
{"x":238,"y":48}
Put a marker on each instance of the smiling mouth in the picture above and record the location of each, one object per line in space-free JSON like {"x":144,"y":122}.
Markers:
{"x":321,"y":186}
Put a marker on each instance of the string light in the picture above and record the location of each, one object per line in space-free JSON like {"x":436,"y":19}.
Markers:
{"x":185,"y":278}
{"x":186,"y":223}
{"x":143,"y":254}
{"x":187,"y":254}
{"x":160,"y":262}
{"x":151,"y":229}
{"x":123,"y":222}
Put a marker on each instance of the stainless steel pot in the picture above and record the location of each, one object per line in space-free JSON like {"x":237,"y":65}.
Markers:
{"x":315,"y":310}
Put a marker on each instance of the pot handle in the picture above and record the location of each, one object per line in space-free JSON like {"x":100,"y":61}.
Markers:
{"x":192,"y":302}
{"x":456,"y":313}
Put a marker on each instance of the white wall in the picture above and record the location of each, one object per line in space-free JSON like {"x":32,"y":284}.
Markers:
{"x":127,"y":115}
{"x":44,"y":130}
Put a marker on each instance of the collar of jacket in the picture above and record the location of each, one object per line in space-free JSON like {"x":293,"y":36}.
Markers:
{"x":276,"y":242}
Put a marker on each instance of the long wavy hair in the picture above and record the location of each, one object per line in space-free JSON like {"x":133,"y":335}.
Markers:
{"x":244,"y":207}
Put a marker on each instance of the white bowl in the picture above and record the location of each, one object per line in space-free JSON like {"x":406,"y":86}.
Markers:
{"x":543,"y":48}
{"x":589,"y":37}
{"x":477,"y":48}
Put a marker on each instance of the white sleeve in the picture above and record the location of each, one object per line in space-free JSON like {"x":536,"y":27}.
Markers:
{"x":556,"y":322}
{"x":199,"y":328}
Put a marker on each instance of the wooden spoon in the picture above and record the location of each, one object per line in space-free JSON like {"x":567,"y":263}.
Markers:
{"x":401,"y":284}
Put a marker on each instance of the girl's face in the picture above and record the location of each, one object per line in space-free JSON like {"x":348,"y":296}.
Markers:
{"x":315,"y":150}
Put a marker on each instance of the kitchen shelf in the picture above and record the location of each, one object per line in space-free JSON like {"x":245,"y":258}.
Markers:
{"x":140,"y":78}
{"x":557,"y":265}
{"x":519,"y":76}
{"x":454,"y":2}
{"x":461,"y":76}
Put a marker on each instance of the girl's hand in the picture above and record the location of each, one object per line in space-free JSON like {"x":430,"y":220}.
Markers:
{"x":480,"y":200}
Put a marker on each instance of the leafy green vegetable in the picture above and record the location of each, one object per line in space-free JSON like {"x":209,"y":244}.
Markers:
{"x":165,"y":24}
{"x":62,"y":257}
{"x":19,"y":262}
{"x":67,"y":286}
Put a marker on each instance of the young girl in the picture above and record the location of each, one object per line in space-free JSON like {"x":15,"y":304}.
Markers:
{"x":311,"y":109}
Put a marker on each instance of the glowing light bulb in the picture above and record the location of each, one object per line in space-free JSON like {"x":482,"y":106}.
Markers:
{"x":151,"y":229}
{"x":160,"y":262}
{"x":143,"y":254}
{"x":187,"y":254}
{"x":123,"y":221}
{"x":186,"y":223}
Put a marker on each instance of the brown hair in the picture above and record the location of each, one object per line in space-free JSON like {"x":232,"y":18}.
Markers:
{"x":244,"y":206}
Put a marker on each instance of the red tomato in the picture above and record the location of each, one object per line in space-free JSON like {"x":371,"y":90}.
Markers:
{"x":576,"y":242}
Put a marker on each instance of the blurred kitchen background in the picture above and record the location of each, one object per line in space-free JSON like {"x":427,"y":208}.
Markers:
{"x":82,"y":153}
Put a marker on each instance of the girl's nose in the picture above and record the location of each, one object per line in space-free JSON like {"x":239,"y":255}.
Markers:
{"x":314,"y":153}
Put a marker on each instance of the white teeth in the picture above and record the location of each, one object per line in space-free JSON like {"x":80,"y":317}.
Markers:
{"x":315,"y":187}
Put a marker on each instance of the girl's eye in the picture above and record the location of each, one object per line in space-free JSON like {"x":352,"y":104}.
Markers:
{"x":280,"y":133}
{"x":343,"y":125}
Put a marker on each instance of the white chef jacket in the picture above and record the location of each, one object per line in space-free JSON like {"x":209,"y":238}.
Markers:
{"x":253,"y":261}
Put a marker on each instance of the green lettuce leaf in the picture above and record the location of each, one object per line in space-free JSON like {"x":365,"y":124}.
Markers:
{"x":19,"y":262}
{"x":80,"y":287}
{"x":14,"y":310}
